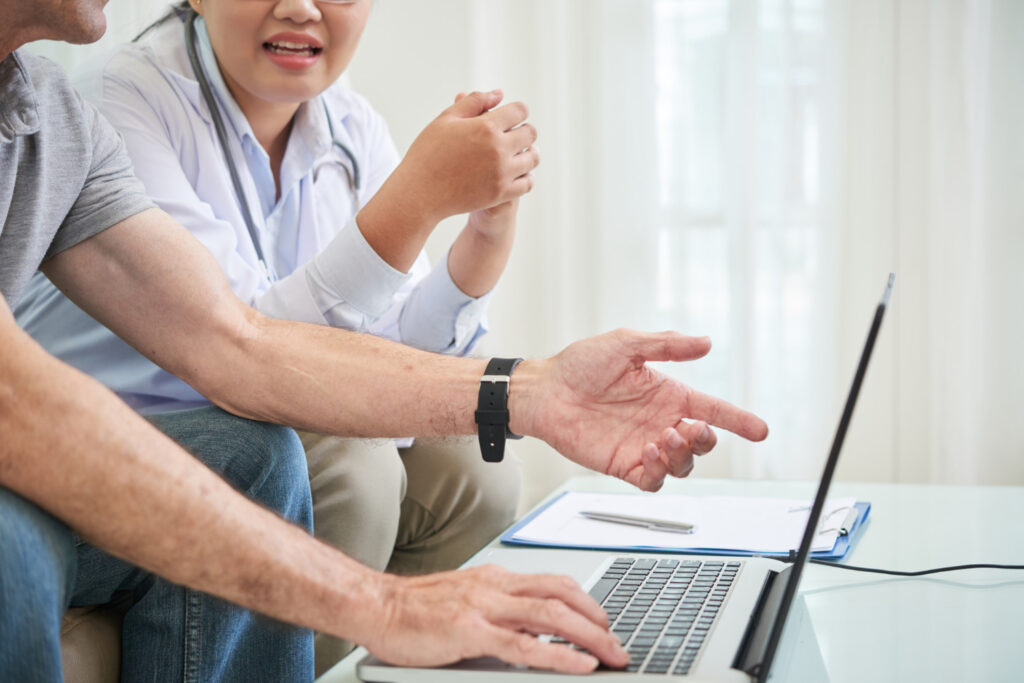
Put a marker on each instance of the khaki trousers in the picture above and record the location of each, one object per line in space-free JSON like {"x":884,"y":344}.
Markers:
{"x":413,"y":510}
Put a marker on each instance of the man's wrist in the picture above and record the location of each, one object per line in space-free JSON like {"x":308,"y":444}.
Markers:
{"x":492,"y":414}
{"x":360,"y":597}
{"x":523,"y":396}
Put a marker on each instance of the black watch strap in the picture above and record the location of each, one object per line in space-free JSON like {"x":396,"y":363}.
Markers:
{"x":492,"y":408}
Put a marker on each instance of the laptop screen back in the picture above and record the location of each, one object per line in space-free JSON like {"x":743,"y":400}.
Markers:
{"x":814,"y":518}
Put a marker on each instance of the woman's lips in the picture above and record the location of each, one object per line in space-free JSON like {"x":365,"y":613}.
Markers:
{"x":293,"y":51}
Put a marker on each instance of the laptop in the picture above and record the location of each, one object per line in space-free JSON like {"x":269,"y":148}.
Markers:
{"x":680,"y":617}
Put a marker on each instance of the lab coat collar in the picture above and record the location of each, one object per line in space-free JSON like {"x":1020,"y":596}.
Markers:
{"x":19,"y":108}
{"x":309,"y":141}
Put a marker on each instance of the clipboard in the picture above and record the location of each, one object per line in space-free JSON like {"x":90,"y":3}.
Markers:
{"x":839,"y":550}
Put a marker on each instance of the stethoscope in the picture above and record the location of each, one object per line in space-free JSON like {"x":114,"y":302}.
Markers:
{"x":355,"y":181}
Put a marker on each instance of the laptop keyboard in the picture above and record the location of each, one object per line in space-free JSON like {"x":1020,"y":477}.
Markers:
{"x":663,"y":610}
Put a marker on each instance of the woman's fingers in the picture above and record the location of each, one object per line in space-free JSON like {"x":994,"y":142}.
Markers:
{"x":524,"y":162}
{"x":520,"y":137}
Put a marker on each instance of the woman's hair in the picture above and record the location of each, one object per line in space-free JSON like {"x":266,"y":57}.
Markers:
{"x":179,"y":10}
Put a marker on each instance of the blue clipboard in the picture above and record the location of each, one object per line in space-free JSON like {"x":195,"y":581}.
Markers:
{"x":837,"y":552}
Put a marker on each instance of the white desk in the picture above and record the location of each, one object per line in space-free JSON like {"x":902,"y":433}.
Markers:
{"x":959,"y":626}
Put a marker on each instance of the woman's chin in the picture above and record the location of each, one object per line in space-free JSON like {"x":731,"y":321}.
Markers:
{"x":292,"y":93}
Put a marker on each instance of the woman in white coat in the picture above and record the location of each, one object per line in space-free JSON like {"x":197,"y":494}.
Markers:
{"x":322,"y":223}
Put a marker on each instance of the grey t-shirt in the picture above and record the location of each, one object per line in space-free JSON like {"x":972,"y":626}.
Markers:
{"x":65,"y":173}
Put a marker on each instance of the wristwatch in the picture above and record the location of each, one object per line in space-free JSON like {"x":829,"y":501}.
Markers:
{"x":492,"y":408}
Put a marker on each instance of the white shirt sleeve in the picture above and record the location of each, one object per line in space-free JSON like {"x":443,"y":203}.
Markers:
{"x":438,"y":316}
{"x":433,"y":314}
{"x":350,"y":283}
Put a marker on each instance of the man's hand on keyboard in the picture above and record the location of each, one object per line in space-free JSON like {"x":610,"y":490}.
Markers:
{"x":600,"y":405}
{"x":442,"y":618}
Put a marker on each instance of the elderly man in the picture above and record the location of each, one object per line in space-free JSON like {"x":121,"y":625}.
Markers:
{"x":97,"y":503}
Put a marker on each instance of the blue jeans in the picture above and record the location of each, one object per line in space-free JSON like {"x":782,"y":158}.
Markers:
{"x":170,"y":633}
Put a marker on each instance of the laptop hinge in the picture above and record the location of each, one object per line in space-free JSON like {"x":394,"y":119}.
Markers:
{"x":750,"y":654}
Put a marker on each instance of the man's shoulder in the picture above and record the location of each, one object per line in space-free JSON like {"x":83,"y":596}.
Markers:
{"x":46,"y":78}
{"x":42,"y":70}
{"x":37,"y":99}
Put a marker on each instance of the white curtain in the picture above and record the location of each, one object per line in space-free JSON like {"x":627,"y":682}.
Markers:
{"x":752,"y":170}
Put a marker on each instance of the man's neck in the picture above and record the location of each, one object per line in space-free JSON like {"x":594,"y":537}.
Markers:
{"x":14,"y":36}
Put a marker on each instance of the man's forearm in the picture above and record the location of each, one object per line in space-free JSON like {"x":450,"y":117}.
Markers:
{"x":596,"y":402}
{"x":183,"y":315}
{"x":74,"y":449}
{"x":339,"y":382}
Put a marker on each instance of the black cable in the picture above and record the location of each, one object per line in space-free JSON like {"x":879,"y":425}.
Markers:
{"x":922,"y":572}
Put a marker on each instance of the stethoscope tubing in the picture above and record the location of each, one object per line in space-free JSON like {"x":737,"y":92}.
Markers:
{"x":218,"y":124}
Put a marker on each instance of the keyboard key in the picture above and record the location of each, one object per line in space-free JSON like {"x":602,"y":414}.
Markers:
{"x":601,"y":589}
{"x":671,"y":642}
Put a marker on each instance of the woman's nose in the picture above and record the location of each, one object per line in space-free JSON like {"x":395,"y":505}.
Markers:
{"x":299,"y":11}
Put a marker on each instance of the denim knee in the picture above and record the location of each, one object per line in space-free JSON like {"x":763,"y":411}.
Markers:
{"x":37,"y":574}
{"x":282,"y":483}
{"x":264,"y":461}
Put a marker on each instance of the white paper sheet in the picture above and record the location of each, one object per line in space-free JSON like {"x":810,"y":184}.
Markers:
{"x":756,"y":525}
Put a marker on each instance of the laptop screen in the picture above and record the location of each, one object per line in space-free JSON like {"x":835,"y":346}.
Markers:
{"x":762,"y":668}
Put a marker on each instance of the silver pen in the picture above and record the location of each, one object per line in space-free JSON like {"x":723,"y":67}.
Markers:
{"x":645,"y":522}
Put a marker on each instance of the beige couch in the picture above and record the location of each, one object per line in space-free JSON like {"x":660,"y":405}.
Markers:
{"x":90,"y":644}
